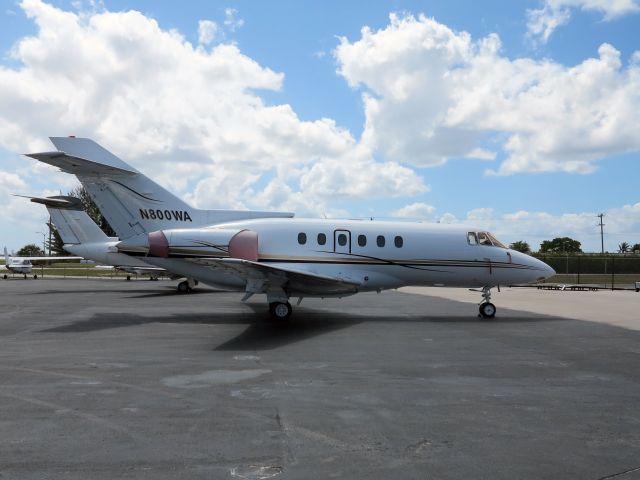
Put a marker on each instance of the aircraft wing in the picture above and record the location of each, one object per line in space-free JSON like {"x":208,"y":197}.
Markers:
{"x":261,"y":277}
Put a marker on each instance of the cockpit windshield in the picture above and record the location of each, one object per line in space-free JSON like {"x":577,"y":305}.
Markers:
{"x":484,"y":238}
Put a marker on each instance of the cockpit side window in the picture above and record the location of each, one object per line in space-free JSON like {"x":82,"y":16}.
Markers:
{"x":483,"y":239}
{"x":495,"y":241}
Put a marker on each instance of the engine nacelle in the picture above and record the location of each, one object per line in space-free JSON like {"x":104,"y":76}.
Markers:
{"x":194,"y":243}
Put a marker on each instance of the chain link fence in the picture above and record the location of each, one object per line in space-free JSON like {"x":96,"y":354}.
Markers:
{"x":609,"y":271}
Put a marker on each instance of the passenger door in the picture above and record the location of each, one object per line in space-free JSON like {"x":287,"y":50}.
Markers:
{"x":342,"y":241}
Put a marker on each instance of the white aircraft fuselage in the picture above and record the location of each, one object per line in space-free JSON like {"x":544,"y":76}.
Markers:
{"x":108,"y":254}
{"x":414,"y":254}
{"x":17,"y":265}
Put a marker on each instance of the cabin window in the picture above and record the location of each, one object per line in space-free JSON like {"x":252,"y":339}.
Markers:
{"x":362,"y":240}
{"x":322,"y":239}
{"x":342,"y":239}
{"x":398,"y":242}
{"x":380,"y":241}
{"x":302,"y":238}
{"x":472,"y":239}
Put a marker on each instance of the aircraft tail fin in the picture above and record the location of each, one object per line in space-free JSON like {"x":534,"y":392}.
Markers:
{"x":6,"y":256}
{"x":73,"y":224}
{"x":131,"y":202}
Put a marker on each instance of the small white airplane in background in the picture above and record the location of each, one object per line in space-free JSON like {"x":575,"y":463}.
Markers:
{"x":281,"y":256}
{"x":24,"y":266}
{"x":81,"y":236}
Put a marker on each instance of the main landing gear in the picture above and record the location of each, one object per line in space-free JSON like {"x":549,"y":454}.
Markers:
{"x":487,"y":309}
{"x":280,"y":310}
{"x":186,"y":286}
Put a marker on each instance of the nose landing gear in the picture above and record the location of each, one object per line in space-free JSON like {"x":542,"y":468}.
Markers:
{"x":487,"y":309}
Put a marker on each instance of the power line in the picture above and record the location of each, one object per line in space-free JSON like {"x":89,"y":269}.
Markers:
{"x":601,"y":231}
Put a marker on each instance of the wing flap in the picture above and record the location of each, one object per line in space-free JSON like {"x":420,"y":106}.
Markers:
{"x":296,"y":282}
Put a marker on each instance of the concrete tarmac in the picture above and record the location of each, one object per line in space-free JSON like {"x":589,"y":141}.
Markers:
{"x":107,"y":379}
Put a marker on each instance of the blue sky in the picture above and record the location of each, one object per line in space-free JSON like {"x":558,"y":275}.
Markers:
{"x":531,"y":136}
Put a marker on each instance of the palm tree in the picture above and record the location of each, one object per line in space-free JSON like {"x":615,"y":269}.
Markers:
{"x":624,"y":247}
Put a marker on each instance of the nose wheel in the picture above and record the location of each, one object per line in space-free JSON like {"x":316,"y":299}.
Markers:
{"x":487,"y":309}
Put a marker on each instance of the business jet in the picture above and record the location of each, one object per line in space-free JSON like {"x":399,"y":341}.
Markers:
{"x":23,"y":265}
{"x":281,"y":256}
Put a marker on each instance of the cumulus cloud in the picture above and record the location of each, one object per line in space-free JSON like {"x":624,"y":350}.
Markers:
{"x":622,"y":224}
{"x":416,"y":210}
{"x":231,"y":20}
{"x":190,"y":117}
{"x":207,"y":31}
{"x":193,"y":118}
{"x":542,"y":22}
{"x":18,"y":215}
{"x":431,"y":94}
{"x":11,"y":181}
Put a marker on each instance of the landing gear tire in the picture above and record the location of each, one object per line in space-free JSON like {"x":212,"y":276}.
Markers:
{"x":35,"y":277}
{"x":128,"y":278}
{"x":280,"y":310}
{"x":25,"y":276}
{"x":487,"y":310}
{"x":5,"y":276}
{"x":183,"y":287}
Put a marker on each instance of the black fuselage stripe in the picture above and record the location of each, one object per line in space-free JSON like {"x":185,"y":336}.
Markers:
{"x":390,"y":263}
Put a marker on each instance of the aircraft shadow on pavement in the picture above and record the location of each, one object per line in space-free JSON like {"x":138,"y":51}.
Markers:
{"x":263,"y":333}
{"x":137,"y":293}
{"x":171,"y":291}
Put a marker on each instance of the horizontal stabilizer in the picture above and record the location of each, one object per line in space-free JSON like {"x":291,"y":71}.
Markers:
{"x":60,"y":202}
{"x":79,"y":166}
{"x":46,"y":259}
{"x":87,"y":148}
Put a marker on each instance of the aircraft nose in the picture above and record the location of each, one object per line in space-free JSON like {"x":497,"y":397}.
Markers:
{"x":537,"y":269}
{"x":546,"y":270}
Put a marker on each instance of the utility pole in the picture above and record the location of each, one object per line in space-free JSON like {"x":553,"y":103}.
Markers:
{"x":50,"y":227}
{"x":44,"y":242}
{"x":601,"y":231}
